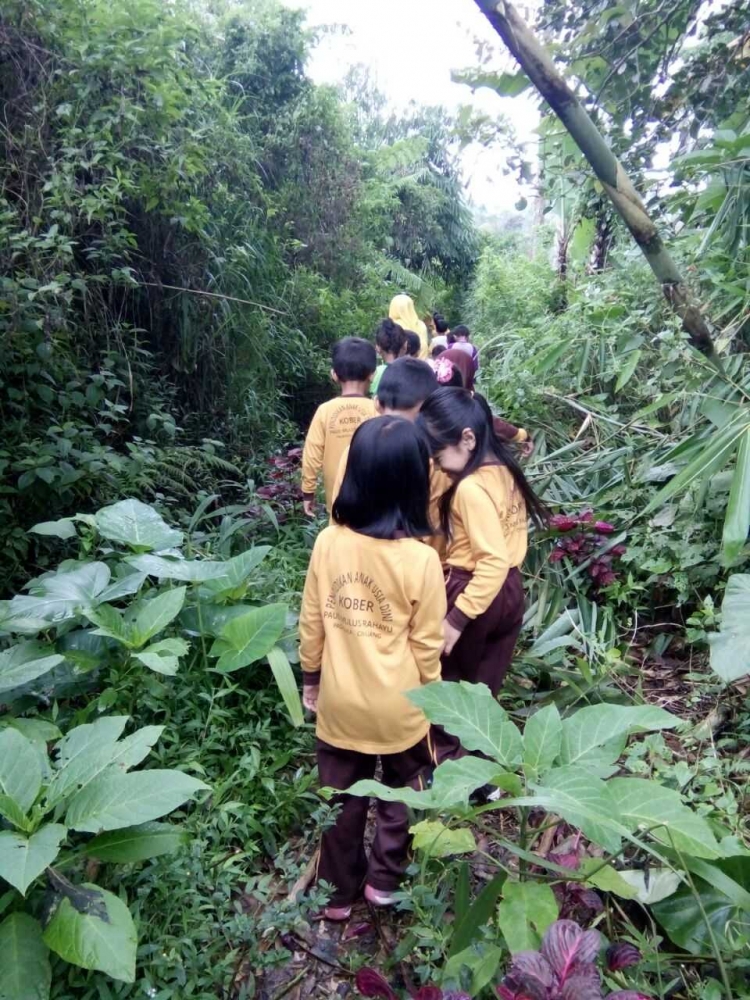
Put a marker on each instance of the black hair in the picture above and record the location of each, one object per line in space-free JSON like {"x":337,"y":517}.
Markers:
{"x":441,"y":325}
{"x":413,"y":343}
{"x":390,"y":337}
{"x":405,"y":384}
{"x":461,"y":331}
{"x":353,"y":359}
{"x":385,"y":492}
{"x":438,"y":349}
{"x":443,"y":418}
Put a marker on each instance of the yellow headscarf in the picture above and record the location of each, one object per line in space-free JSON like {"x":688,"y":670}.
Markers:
{"x":402,"y":311}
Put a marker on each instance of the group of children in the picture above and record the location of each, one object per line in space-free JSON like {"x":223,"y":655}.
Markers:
{"x":416,"y":578}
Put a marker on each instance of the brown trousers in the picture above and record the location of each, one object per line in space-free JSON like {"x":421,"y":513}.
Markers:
{"x":484,"y":652}
{"x":343,"y":861}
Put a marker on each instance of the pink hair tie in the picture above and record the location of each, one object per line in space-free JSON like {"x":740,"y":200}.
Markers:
{"x":443,"y":369}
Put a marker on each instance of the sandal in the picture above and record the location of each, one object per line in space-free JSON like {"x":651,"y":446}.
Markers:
{"x":377,"y":897}
{"x":337,"y":914}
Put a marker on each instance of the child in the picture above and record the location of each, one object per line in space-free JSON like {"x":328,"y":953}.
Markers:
{"x":371,"y":629}
{"x":463,"y":343}
{"x":413,"y":345}
{"x":331,"y":429}
{"x":503,"y":428}
{"x":405,"y":385}
{"x":442,"y":332}
{"x":484,"y":516}
{"x":390,"y":343}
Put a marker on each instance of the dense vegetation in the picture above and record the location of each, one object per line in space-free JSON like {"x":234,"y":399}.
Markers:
{"x":186,"y":224}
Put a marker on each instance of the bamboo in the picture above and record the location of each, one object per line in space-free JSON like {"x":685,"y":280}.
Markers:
{"x":538,"y":66}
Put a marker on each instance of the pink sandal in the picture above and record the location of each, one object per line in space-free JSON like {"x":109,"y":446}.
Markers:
{"x":337,"y":914}
{"x":377,"y":897}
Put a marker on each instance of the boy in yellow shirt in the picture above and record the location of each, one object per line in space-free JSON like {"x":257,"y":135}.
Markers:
{"x":334,"y":423}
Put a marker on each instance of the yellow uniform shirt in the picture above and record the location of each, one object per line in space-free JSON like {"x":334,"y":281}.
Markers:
{"x":329,"y":435}
{"x":371,"y":623}
{"x":489,"y":534}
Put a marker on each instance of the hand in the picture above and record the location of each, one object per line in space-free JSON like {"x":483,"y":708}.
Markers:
{"x":309,"y":507}
{"x":451,"y":636}
{"x":527,"y":448}
{"x":310,"y":697}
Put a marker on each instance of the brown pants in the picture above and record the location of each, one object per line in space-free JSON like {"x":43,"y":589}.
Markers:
{"x":484,"y":652}
{"x":343,"y":861}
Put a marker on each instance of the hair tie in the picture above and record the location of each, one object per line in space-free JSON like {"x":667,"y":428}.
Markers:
{"x":443,"y":369}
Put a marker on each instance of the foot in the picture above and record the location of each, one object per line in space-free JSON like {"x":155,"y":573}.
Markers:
{"x":338,"y":914}
{"x":377,"y":897}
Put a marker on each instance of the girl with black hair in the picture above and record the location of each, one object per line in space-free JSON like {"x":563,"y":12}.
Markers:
{"x":370,"y":630}
{"x":484,"y":515}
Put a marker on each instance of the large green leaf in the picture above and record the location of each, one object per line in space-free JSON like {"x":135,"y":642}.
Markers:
{"x":22,"y":859}
{"x":163,"y":657}
{"x":437,"y":840}
{"x":525,"y":912}
{"x":116,"y":799}
{"x":137,"y":525}
{"x":470,"y":712}
{"x":64,"y":528}
{"x":83,"y":754}
{"x":287,"y":684}
{"x":110,"y":622}
{"x":151,"y":616}
{"x":584,"y":801}
{"x":682,"y":914}
{"x":137,"y":843}
{"x":452,"y":783}
{"x":25,"y":662}
{"x":249,"y":637}
{"x":237,"y":570}
{"x":14,"y":814}
{"x":730,"y":648}
{"x":20,"y":769}
{"x":57,"y":597}
{"x":737,"y":520}
{"x":84,"y":938}
{"x":25,"y":972}
{"x":597,"y":726}
{"x":647,"y":806}
{"x":542,"y":739}
{"x":189,"y":570}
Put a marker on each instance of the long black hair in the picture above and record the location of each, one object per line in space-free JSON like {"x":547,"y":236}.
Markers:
{"x":386,"y":487}
{"x":444,"y":416}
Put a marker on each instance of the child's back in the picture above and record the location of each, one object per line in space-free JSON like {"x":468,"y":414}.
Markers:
{"x":380,"y":602}
{"x":336,"y":421}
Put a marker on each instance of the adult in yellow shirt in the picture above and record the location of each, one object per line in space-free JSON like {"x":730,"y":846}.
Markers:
{"x":402,"y":311}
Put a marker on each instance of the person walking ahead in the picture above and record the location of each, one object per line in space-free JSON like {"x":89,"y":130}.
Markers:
{"x":370,"y":630}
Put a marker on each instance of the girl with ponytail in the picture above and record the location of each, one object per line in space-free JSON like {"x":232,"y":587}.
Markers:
{"x":484,"y":516}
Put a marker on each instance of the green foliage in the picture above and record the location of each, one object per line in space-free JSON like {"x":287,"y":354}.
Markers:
{"x":87,"y":786}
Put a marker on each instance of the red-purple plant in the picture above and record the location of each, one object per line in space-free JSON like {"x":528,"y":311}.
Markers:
{"x":563,"y":969}
{"x":370,"y":983}
{"x":282,"y":487}
{"x":587,"y":544}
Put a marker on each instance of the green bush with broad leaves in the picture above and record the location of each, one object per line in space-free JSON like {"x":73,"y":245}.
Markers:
{"x":134,"y":601}
{"x":51,"y":805}
{"x":567,"y":767}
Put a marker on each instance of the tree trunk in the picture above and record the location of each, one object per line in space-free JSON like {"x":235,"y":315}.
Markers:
{"x":538,"y":66}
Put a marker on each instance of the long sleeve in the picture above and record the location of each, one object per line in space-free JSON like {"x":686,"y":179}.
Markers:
{"x":507,"y":431}
{"x":312,"y":455}
{"x":311,"y":632}
{"x":473,"y":505}
{"x":426,"y":626}
{"x":339,"y":476}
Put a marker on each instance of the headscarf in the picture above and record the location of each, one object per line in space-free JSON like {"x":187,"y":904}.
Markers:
{"x":463,"y":362}
{"x":402,"y":311}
